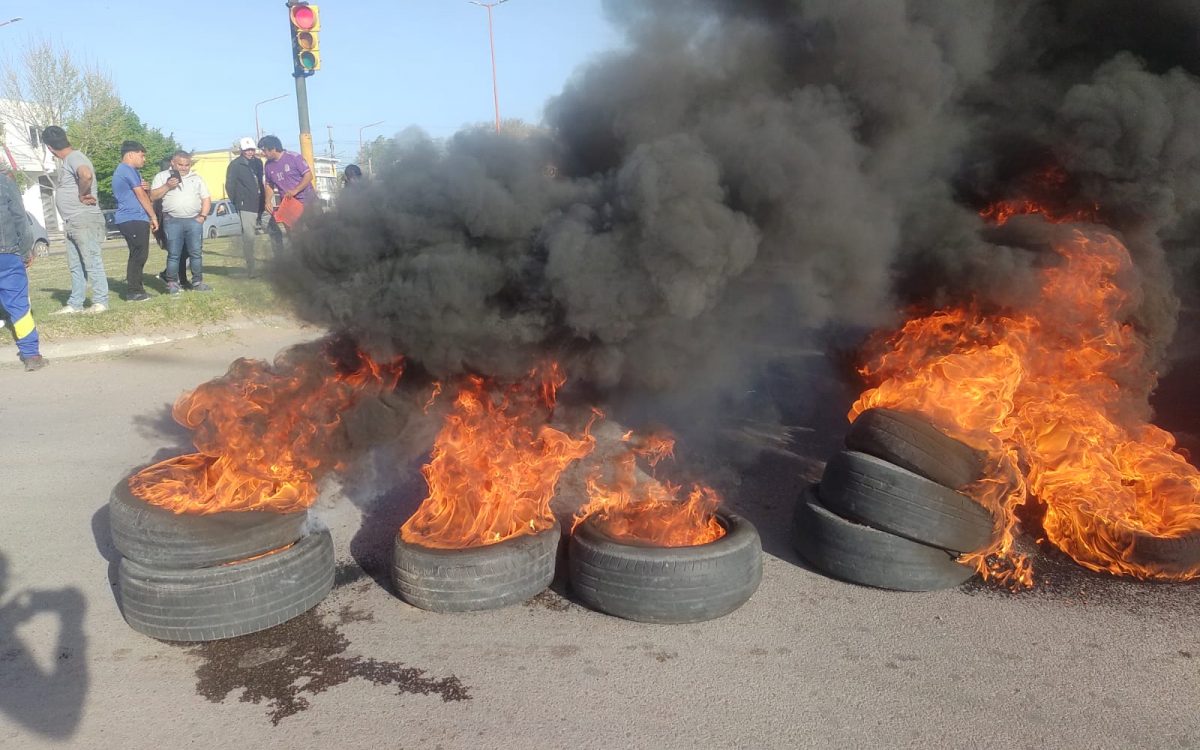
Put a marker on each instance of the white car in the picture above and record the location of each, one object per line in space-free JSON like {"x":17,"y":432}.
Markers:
{"x":222,"y":221}
{"x":41,"y":242}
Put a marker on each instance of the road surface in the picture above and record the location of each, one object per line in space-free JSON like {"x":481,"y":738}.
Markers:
{"x":1080,"y":661}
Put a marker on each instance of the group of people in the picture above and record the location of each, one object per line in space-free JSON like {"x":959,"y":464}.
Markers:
{"x":172,"y":207}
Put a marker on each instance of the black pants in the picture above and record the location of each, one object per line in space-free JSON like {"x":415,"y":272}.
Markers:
{"x":137,"y":237}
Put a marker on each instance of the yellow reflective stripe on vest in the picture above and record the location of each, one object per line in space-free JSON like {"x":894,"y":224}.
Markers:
{"x":24,"y":326}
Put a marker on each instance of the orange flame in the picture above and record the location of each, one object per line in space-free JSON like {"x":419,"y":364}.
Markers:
{"x":1041,"y":392}
{"x":1001,"y":211}
{"x":263,"y":433}
{"x":650,"y":512}
{"x":1045,"y":185}
{"x":495,"y":464}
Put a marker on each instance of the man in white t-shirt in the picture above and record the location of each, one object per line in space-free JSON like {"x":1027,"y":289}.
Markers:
{"x":185,"y":203}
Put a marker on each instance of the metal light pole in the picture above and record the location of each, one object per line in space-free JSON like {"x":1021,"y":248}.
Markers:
{"x":11,"y":20}
{"x":492,"y":44}
{"x":257,"y":129}
{"x":360,"y":141}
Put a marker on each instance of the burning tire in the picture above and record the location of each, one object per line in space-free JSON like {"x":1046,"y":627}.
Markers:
{"x":666,"y":584}
{"x":886,"y":497}
{"x":158,"y":538}
{"x":207,"y":604}
{"x":1172,"y":555}
{"x":475,"y":578}
{"x":861,"y":554}
{"x":909,"y":441}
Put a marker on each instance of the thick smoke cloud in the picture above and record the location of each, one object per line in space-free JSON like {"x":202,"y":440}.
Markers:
{"x":746,"y":172}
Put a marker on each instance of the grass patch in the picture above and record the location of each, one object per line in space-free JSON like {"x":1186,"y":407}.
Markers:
{"x":233,"y":295}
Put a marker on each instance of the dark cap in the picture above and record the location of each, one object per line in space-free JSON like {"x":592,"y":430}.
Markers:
{"x":131,"y":146}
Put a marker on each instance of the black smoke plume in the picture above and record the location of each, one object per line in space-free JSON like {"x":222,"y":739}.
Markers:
{"x":745,"y":173}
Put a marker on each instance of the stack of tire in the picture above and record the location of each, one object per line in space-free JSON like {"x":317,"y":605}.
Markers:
{"x":889,"y":512}
{"x":205,"y":577}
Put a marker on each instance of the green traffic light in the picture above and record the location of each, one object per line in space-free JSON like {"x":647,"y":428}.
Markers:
{"x":308,"y":60}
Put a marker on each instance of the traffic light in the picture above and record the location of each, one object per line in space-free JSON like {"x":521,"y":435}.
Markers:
{"x":306,"y":47}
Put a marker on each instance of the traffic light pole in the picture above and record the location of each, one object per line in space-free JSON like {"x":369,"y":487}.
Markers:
{"x":306,"y":142}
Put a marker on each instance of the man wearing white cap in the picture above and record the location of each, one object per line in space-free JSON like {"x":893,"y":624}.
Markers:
{"x":244,"y":186}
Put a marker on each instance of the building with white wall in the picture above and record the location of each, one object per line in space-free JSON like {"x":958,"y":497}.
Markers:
{"x":21,"y":147}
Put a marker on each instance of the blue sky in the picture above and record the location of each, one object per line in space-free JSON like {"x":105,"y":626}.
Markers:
{"x":197,"y":68}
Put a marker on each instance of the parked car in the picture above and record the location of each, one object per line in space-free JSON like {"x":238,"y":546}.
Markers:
{"x":110,"y":224}
{"x":41,"y":242}
{"x":222,"y":221}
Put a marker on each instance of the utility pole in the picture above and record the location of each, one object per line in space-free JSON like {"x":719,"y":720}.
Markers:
{"x":330,"y":129}
{"x":492,"y":44}
{"x":306,"y":148}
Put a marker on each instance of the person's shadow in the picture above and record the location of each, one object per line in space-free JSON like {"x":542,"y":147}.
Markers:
{"x":46,"y":700}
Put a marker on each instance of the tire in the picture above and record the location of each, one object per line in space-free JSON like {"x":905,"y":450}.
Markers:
{"x":911,"y":442}
{"x":861,"y":554}
{"x":886,"y":497}
{"x":41,"y":248}
{"x":212,"y":233}
{"x":475,"y":578}
{"x":228,"y":600}
{"x":666,"y":584}
{"x":158,"y":538}
{"x":1177,"y":556}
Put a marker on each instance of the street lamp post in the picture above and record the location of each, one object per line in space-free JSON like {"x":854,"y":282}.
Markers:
{"x":257,"y":129}
{"x":492,"y":44}
{"x":360,"y":140}
{"x":11,"y":20}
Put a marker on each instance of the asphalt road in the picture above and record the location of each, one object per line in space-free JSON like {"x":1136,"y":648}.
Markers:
{"x":1080,"y":661}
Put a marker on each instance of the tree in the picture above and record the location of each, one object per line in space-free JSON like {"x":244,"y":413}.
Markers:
{"x":47,"y":86}
{"x":373,"y":153}
{"x":99,"y":132}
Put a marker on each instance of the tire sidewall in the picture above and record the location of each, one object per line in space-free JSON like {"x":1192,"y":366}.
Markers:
{"x":651,"y":581}
{"x":422,"y":575}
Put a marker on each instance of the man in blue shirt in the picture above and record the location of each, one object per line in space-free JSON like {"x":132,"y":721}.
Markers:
{"x":135,"y":216}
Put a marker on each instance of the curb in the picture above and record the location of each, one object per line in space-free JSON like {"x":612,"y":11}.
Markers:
{"x":118,"y":344}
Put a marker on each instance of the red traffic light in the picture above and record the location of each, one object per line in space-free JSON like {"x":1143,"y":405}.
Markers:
{"x":304,"y":17}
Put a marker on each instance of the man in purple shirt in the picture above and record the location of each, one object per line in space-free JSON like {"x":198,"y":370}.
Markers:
{"x":287,"y":176}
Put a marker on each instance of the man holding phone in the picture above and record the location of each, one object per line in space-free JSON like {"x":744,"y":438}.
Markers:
{"x":186,"y":203}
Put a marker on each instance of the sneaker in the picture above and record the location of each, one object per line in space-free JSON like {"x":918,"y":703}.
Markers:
{"x":200,"y":286}
{"x":34,"y":363}
{"x":67,"y":310}
{"x":137,"y":297}
{"x":94,"y":309}
{"x":172,"y":288}
{"x":162,"y":275}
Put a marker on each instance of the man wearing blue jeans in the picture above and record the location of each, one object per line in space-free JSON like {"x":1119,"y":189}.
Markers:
{"x":185,"y":203}
{"x":75,"y":198}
